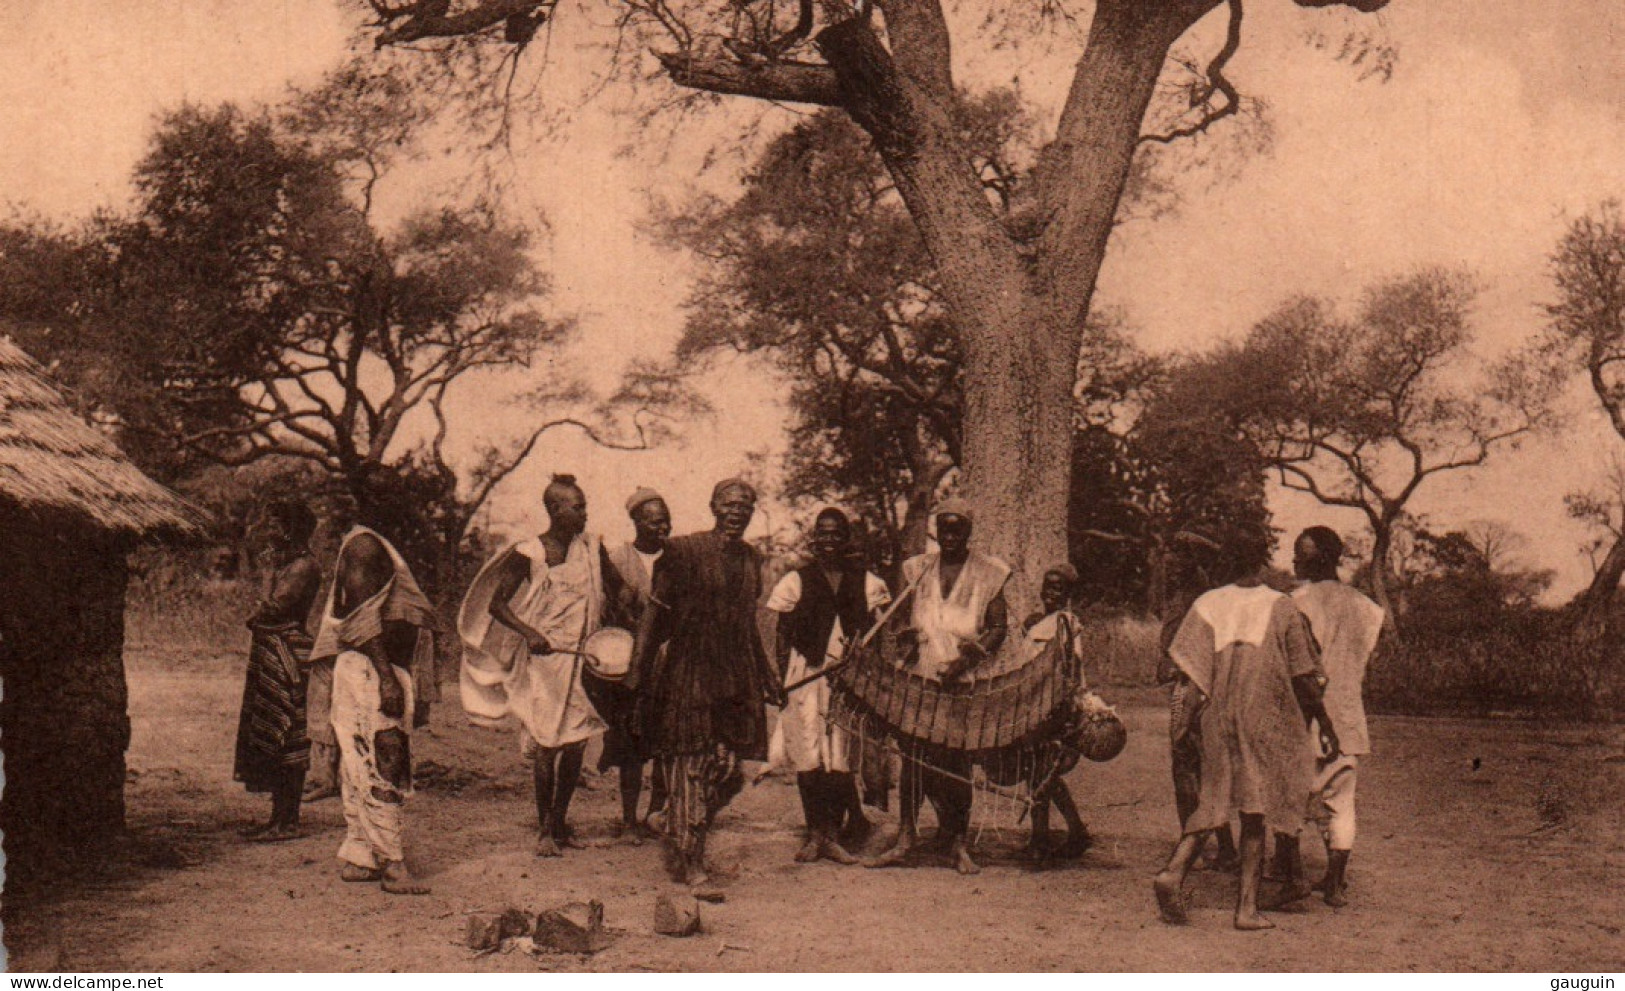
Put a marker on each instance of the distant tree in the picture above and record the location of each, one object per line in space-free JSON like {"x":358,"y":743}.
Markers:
{"x":1586,"y":334}
{"x":1167,"y":473}
{"x":252,"y":306}
{"x":1452,"y":581}
{"x":1360,"y":413}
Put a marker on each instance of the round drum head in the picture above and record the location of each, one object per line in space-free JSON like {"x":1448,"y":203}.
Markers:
{"x":609,"y":653}
{"x":1102,"y":737}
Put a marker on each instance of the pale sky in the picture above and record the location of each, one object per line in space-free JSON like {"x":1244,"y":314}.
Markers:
{"x":1503,"y":118}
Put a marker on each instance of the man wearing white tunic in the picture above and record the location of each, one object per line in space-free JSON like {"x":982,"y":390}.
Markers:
{"x":1347,"y":625}
{"x":546,"y":596}
{"x":377,"y":628}
{"x":959,"y":619}
{"x":634,"y":561}
{"x":1249,"y":651}
{"x":822,"y":607}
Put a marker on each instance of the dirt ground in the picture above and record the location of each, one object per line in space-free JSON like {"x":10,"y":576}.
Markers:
{"x":1483,"y":846}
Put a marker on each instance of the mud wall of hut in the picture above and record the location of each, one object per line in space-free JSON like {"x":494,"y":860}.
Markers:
{"x":64,"y":721}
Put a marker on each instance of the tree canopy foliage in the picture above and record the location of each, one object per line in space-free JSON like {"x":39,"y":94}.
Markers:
{"x":1586,"y":336}
{"x":253,"y":304}
{"x":1360,"y":411}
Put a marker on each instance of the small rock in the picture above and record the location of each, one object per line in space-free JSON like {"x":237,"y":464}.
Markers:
{"x":484,"y":930}
{"x":516,"y":922}
{"x":574,"y":928}
{"x":487,"y":930}
{"x":520,"y":944}
{"x":677,"y":915}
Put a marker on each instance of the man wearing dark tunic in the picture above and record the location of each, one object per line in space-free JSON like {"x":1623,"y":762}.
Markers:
{"x":824,"y":606}
{"x":700,"y":708}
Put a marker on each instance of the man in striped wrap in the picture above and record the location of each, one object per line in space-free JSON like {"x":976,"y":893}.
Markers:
{"x":700,"y":702}
{"x":273,"y":748}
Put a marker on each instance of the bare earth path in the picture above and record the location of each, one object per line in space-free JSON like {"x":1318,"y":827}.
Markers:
{"x":1517,"y":865}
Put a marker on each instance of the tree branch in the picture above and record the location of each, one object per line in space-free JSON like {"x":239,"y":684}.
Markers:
{"x":921,"y":45}
{"x":1307,"y":483}
{"x":1217,"y":84}
{"x":430,"y":18}
{"x":782,"y":82}
{"x":494,"y":476}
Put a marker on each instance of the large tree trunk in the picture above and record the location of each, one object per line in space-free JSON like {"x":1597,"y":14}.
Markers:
{"x":1380,"y":576}
{"x":1020,"y":318}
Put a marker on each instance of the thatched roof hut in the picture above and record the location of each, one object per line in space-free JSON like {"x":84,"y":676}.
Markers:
{"x":53,"y":462}
{"x":71,"y":508}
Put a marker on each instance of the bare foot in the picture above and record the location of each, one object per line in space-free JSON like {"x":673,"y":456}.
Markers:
{"x":1252,"y":922}
{"x":277,"y":834}
{"x":1076,"y":845}
{"x":567,"y":841}
{"x":893,"y":857}
{"x":357,"y":874}
{"x":398,"y":880}
{"x":630,"y":834}
{"x":963,"y":862}
{"x":546,"y":846}
{"x":834,"y":851}
{"x":1291,"y":891}
{"x":809,"y":850}
{"x":319,"y":793}
{"x":1170,"y":900}
{"x":1337,"y":897}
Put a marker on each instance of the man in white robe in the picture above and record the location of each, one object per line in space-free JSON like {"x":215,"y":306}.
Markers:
{"x":377,"y":627}
{"x":958,"y":620}
{"x":1347,"y":625}
{"x":523,"y":623}
{"x":1248,"y":650}
{"x":634,"y":561}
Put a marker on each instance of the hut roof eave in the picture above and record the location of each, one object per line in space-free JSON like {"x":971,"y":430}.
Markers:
{"x":52,"y":461}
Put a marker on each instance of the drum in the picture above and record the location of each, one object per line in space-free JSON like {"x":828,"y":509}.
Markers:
{"x":609,"y":653}
{"x":1101,"y":736}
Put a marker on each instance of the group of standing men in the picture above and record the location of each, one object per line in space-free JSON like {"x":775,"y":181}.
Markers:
{"x":355,"y":680}
{"x":1252,"y":668}
{"x":700,"y":678}
{"x":693,"y":698}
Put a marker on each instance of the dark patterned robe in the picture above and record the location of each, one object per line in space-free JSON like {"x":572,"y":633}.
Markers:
{"x":708,"y":686}
{"x":271,"y":731}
